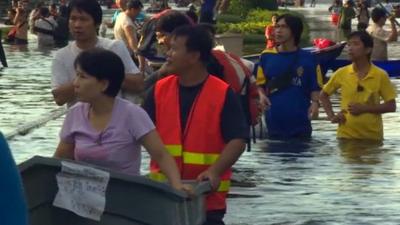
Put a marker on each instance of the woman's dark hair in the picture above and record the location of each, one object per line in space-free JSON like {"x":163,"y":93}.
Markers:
{"x":103,"y":65}
{"x":295,"y":25}
{"x":44,"y":11}
{"x":377,"y":14}
{"x":90,"y":7}
{"x":196,"y":40}
{"x":171,"y":20}
{"x":365,"y":38}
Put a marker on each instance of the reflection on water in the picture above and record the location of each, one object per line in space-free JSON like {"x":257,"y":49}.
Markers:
{"x":322,"y":181}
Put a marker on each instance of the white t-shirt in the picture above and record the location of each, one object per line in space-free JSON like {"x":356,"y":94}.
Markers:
{"x":63,"y":71}
{"x":381,"y":38}
{"x":123,"y":21}
{"x":46,"y":24}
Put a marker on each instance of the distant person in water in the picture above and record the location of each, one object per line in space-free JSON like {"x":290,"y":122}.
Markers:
{"x":44,"y":28}
{"x":106,"y":130}
{"x":347,"y":14}
{"x":288,"y":79}
{"x":21,"y":24}
{"x":269,"y":32}
{"x":365,"y":90}
{"x":381,"y":36}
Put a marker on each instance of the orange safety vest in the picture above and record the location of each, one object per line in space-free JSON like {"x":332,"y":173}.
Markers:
{"x":201,"y":143}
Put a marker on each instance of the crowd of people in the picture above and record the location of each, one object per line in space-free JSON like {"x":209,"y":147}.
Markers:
{"x":48,"y":23}
{"x":193,"y":121}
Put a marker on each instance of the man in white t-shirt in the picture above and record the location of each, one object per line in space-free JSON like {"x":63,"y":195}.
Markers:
{"x":44,"y":28}
{"x":85,"y":17}
{"x":125,"y":29}
{"x":381,"y":37}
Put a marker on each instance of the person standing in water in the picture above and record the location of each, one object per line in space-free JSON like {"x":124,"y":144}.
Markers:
{"x":289,"y":83}
{"x":366,"y":93}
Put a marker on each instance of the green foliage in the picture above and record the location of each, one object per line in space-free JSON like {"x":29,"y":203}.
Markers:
{"x":243,"y":27}
{"x":230,"y":18}
{"x":242,"y":7}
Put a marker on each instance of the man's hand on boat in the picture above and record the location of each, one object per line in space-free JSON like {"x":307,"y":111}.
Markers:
{"x":210,"y":176}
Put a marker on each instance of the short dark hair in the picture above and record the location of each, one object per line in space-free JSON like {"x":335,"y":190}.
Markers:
{"x":134,"y":4}
{"x":197,"y":40}
{"x":103,"y":65}
{"x":44,"y":11}
{"x":377,"y":14}
{"x":365,"y":38}
{"x":171,"y":20}
{"x":90,"y":7}
{"x":295,"y":25}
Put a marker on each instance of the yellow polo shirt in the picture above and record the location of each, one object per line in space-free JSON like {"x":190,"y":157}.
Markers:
{"x":376,"y":87}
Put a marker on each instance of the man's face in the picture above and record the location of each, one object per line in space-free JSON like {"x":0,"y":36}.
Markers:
{"x":283,"y":34}
{"x":178,"y":58}
{"x":81,"y":25}
{"x":164,"y":38}
{"x":357,"y":49}
{"x":133,"y":13}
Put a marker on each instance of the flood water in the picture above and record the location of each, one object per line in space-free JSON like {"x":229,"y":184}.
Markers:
{"x":320,"y":182}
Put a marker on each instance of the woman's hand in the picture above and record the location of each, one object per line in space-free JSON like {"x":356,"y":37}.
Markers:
{"x":185,"y":188}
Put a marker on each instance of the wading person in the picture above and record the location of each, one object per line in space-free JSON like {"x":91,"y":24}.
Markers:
{"x":125,"y":29}
{"x":44,"y":28}
{"x":363,"y":87}
{"x":347,"y":14}
{"x":269,"y":32}
{"x":198,"y":117}
{"x":380,"y":36}
{"x":288,"y":83}
{"x":106,"y":130}
{"x":84,"y":19}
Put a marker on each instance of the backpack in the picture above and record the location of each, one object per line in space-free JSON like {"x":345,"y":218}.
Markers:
{"x":243,"y":83}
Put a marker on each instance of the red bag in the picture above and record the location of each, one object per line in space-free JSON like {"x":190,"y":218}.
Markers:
{"x":241,"y":80}
{"x":322,"y":43}
{"x":11,"y":34}
{"x":335,"y":19}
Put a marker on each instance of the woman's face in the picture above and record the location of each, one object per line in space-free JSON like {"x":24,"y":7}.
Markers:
{"x":88,"y":88}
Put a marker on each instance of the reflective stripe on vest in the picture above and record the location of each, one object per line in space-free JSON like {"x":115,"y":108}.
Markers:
{"x":192,"y":157}
{"x":174,"y":150}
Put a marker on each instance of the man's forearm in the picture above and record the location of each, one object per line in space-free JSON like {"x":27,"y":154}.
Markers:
{"x":389,"y":106}
{"x":326,"y":104}
{"x":133,"y":83}
{"x":64,"y":94}
{"x":229,"y":156}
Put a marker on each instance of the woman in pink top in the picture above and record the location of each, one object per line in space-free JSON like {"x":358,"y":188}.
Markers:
{"x":105,"y":130}
{"x":269,"y":33}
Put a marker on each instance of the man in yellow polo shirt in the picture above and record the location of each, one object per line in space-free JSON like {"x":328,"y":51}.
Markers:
{"x":363,"y":86}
